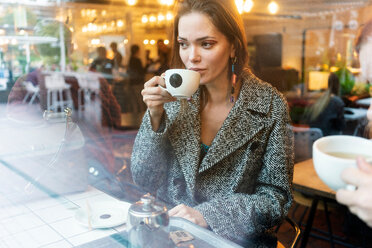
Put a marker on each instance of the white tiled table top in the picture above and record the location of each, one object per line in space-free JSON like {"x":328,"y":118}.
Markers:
{"x":51,"y":222}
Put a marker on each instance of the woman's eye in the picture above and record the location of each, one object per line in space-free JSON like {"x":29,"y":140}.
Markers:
{"x":182,"y":44}
{"x":207,"y":44}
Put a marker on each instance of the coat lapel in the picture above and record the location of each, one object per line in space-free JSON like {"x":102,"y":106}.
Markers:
{"x":242,"y":124}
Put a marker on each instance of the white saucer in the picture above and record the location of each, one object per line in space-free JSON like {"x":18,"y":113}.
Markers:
{"x":103,"y":214}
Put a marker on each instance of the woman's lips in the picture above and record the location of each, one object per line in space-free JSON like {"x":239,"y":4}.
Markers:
{"x":197,"y":69}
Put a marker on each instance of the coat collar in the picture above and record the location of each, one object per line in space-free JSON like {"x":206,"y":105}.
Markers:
{"x":242,"y":124}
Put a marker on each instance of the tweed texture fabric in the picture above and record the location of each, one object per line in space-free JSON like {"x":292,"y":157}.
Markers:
{"x":243,"y":184}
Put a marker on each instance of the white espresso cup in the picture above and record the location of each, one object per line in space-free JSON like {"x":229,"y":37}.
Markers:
{"x":181,"y":83}
{"x":333,"y":154}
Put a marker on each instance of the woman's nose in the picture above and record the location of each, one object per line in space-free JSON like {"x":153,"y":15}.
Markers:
{"x":194,"y":55}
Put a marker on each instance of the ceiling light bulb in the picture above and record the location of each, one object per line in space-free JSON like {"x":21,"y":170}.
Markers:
{"x":152,"y":18}
{"x":239,"y":5}
{"x":145,"y":19}
{"x":169,"y":16}
{"x":273,"y":7}
{"x":248,"y":5}
{"x":131,"y":2}
{"x":161,"y":17}
{"x":119,"y":23}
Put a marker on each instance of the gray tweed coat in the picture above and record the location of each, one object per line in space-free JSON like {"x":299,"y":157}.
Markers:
{"x":243,"y":184}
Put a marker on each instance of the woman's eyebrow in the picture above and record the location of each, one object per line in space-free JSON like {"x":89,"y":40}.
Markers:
{"x":198,"y":39}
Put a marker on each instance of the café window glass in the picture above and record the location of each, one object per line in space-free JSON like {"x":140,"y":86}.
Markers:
{"x":71,"y":103}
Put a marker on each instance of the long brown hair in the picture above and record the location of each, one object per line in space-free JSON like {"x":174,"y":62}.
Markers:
{"x":225,"y":17}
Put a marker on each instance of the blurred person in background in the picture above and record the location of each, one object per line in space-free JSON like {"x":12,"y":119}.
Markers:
{"x":327,"y":113}
{"x":136,"y":74}
{"x":118,"y":58}
{"x":102,"y":64}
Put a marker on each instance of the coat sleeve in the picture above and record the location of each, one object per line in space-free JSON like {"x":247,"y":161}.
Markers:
{"x":151,"y":152}
{"x":241,"y":215}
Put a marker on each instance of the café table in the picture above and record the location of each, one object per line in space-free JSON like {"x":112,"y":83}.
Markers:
{"x":53,"y":222}
{"x":305,"y":180}
{"x":352,"y":114}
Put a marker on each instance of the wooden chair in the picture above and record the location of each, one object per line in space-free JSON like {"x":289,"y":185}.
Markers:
{"x":296,"y":233}
{"x":304,"y":137}
{"x":32,"y":91}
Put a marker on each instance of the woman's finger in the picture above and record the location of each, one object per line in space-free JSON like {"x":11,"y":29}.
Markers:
{"x":176,"y":210}
{"x":346,"y":197}
{"x":364,"y":166}
{"x":155,"y":81}
{"x":355,"y":177}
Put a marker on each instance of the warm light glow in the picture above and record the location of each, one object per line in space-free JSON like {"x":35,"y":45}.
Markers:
{"x":273,"y":7}
{"x":22,"y":32}
{"x":152,"y":42}
{"x":166,"y":42}
{"x":169,"y":16}
{"x":14,"y":42}
{"x":132,"y":2}
{"x":126,"y":41}
{"x":239,"y":5}
{"x":71,"y":29}
{"x":120,"y":23}
{"x":75,"y":46}
{"x":152,"y":18}
{"x":82,"y":12}
{"x":104,"y":12}
{"x":145,"y":19}
{"x":248,"y":5}
{"x":95,"y":41}
{"x":146,"y":42}
{"x":84,"y":29}
{"x":167,"y":2}
{"x":2,"y":31}
{"x":161,"y":17}
{"x":92,"y":27}
{"x":318,"y":80}
{"x":339,"y":57}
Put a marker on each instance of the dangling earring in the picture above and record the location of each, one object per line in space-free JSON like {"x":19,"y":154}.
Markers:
{"x":233,"y":79}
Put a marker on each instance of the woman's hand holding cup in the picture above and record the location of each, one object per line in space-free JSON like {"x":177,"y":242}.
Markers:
{"x":360,"y":200}
{"x":154,"y":98}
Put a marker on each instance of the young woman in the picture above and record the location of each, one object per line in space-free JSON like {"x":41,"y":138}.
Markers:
{"x":223,"y":159}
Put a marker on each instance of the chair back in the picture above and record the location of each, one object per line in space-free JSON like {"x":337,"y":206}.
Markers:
{"x":304,"y":137}
{"x":30,"y":87}
{"x":55,"y":81}
{"x":93,"y":81}
{"x":82,"y":81}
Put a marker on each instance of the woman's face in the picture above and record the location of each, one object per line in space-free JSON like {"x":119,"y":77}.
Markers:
{"x":203,"y":48}
{"x":365,"y":59}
